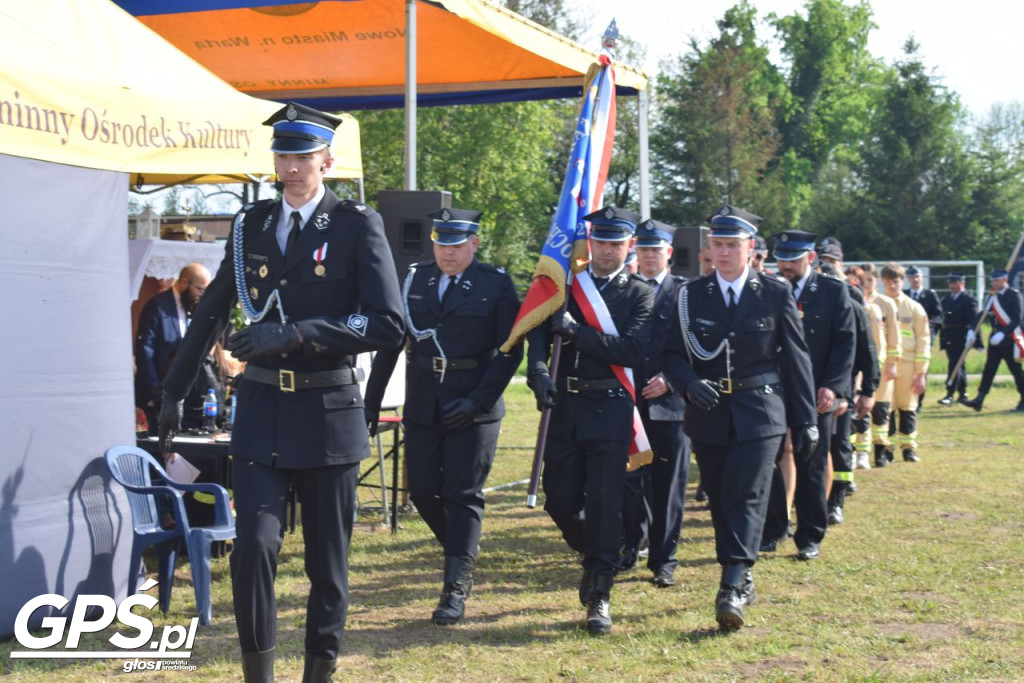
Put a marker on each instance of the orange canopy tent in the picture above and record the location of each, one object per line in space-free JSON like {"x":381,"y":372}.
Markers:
{"x":350,"y":54}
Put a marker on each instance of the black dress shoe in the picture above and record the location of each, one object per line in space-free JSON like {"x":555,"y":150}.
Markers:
{"x":835,"y":515}
{"x":701,"y":496}
{"x":599,"y":610}
{"x":910,"y":456}
{"x":1020,"y":406}
{"x":664,"y":577}
{"x":734,"y":594}
{"x":963,"y":399}
{"x":975,"y":403}
{"x":769,"y":546}
{"x":946,"y":401}
{"x":811,"y":551}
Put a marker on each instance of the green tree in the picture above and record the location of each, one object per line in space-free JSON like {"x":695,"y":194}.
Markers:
{"x":834,"y":82}
{"x":715,"y":139}
{"x":997,"y":200}
{"x":916,"y":174}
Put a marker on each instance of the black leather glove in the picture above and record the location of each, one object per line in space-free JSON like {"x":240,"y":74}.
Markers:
{"x":460,"y":414}
{"x":263,"y":339}
{"x":372,"y":418}
{"x":565,"y":325}
{"x":805,"y":441}
{"x":543,"y":389}
{"x":169,"y":421}
{"x":702,"y":394}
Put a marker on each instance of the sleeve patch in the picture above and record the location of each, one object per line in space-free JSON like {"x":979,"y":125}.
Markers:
{"x":358,"y":323}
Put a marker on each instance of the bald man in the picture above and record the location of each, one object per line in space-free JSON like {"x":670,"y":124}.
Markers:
{"x":162,"y":325}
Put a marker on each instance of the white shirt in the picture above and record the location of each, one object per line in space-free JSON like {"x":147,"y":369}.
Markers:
{"x":658,"y":279}
{"x":736,"y":285}
{"x":284,"y":221}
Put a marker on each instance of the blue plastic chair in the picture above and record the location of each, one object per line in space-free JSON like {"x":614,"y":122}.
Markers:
{"x":130,"y":466}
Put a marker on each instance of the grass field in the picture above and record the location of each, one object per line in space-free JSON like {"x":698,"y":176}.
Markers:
{"x":921,"y":583}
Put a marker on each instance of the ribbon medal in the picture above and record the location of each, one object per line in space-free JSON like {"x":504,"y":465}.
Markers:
{"x":319,"y":255}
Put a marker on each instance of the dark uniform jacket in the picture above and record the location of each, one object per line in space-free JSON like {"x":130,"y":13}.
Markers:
{"x":865,"y":360}
{"x":604,"y":414}
{"x":958,"y":316}
{"x":1009,"y":301}
{"x":474,"y":321}
{"x":669,"y":407}
{"x":352,"y":307}
{"x":830,"y":330}
{"x":765,"y":337}
{"x":929,"y":301}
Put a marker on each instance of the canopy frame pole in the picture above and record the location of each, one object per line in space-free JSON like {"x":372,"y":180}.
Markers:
{"x":410,"y":95}
{"x":643,"y":102}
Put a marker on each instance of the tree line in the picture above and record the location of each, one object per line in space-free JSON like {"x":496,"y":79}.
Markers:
{"x":790,"y":117}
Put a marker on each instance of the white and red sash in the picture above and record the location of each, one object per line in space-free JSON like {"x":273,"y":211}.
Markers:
{"x":1003,"y":319}
{"x":596,"y":313}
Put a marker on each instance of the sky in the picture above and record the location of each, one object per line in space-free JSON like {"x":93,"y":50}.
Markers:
{"x":973,"y":47}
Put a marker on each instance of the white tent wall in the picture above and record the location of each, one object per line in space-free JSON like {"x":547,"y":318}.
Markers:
{"x":65,"y":383}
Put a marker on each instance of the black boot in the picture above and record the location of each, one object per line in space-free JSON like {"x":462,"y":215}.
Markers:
{"x":586,"y":587}
{"x":976,"y":402}
{"x":258,"y":667}
{"x":318,"y":670}
{"x":458,"y":583}
{"x":946,"y":400}
{"x":599,"y":609}
{"x":880,"y":459}
{"x":735,"y":592}
{"x":836,"y":500}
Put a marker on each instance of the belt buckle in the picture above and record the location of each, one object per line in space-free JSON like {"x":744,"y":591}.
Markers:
{"x":286,"y":380}
{"x":725,"y":385}
{"x":570,"y":385}
{"x":439,"y":364}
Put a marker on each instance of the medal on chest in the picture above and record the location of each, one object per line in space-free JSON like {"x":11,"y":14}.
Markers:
{"x":319,"y":255}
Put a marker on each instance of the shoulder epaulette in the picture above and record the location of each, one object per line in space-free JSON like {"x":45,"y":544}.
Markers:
{"x":260,"y":204}
{"x":490,"y":268}
{"x":356,"y":207}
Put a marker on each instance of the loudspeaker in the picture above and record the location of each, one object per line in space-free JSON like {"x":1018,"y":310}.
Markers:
{"x":686,"y":251}
{"x":406,"y":223}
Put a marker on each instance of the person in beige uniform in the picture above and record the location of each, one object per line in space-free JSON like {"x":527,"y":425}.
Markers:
{"x":877,"y":325}
{"x":877,"y":433}
{"x":912,"y":366}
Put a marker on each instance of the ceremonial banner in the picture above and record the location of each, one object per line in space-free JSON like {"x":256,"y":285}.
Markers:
{"x":565,"y":249}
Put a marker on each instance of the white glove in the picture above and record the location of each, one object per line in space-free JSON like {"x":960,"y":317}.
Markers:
{"x":996,"y":339}
{"x":970,"y":337}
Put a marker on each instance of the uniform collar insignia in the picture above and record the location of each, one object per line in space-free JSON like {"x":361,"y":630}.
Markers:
{"x":711,"y":286}
{"x":813,"y":286}
{"x":432,"y":280}
{"x":322,"y":221}
{"x":754,"y":283}
{"x":266,"y":223}
{"x":466,"y":283}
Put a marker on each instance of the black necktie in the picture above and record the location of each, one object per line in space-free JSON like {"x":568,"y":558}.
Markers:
{"x":731,"y":305}
{"x":293,"y":234}
{"x":452,"y":281}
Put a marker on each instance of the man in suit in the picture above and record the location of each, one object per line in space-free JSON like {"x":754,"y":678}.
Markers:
{"x":959,"y":312}
{"x":604,"y":332}
{"x":1005,"y":343}
{"x":829,"y":327}
{"x":654,"y":494}
{"x":162,"y":325}
{"x":735,"y":349}
{"x":315,"y":275}
{"x":458,"y":311}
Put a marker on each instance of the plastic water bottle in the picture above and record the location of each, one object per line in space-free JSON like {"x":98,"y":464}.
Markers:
{"x":210,"y":410}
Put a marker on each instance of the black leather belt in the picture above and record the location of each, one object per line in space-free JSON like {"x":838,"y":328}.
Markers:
{"x":439,"y":364}
{"x":288,"y":380}
{"x":728,"y":386}
{"x":575,"y":385}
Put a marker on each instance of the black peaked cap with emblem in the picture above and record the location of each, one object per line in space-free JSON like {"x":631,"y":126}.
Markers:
{"x":732,"y":221}
{"x":652,"y":233}
{"x":792,"y":244}
{"x":299,"y":129}
{"x":612,"y":224}
{"x":454,"y":226}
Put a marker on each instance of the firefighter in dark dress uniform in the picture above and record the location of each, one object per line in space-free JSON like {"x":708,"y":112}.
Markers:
{"x":458,"y":311}
{"x":315,"y":275}
{"x":588,"y":441}
{"x":1003,"y":309}
{"x":736,"y":348}
{"x":829,"y":328}
{"x":654,"y":494}
{"x":959,"y":311}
